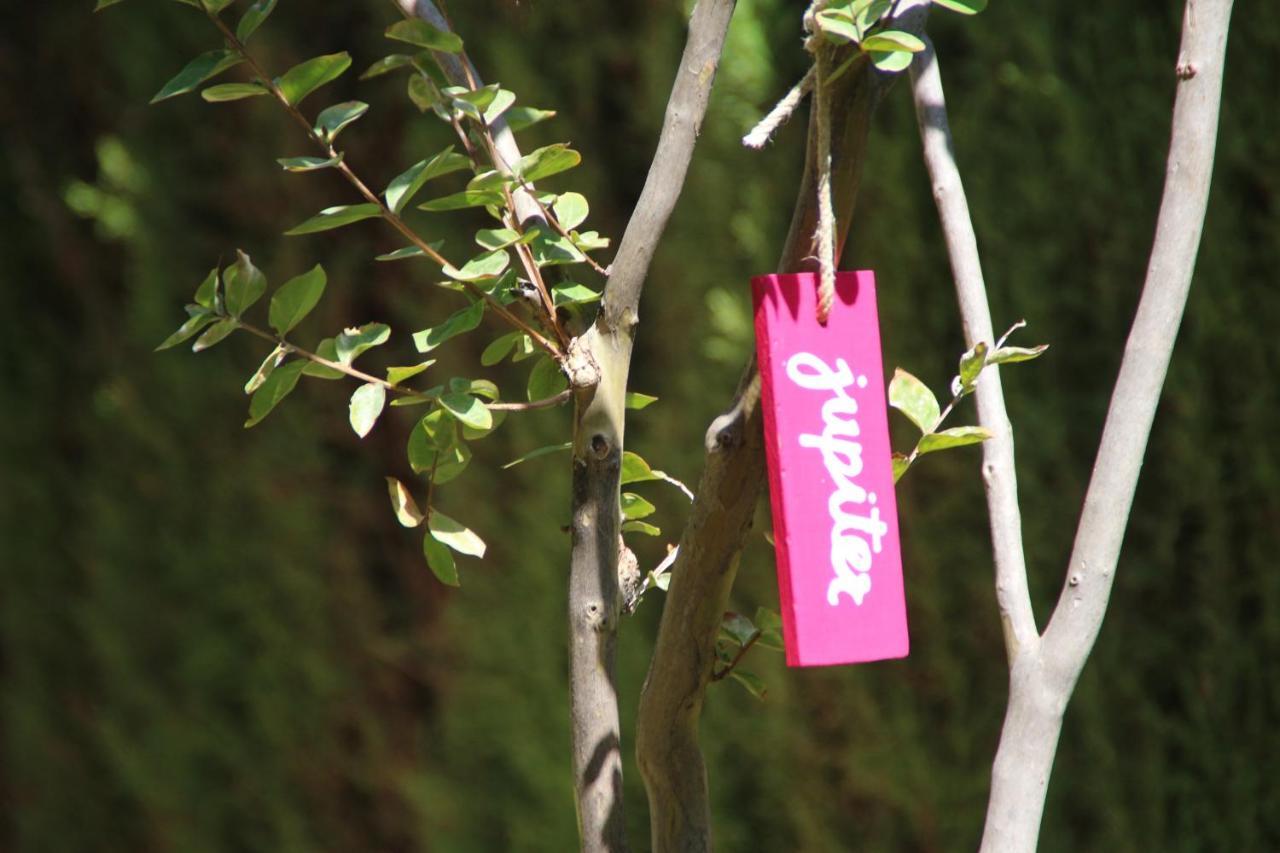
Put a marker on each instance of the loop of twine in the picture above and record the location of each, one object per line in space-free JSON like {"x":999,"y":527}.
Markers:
{"x":825,"y":238}
{"x":815,"y":80}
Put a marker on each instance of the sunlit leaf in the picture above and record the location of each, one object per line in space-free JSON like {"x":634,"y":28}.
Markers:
{"x":404,"y":186}
{"x":188,"y":330}
{"x":455,"y":535}
{"x":636,"y":400}
{"x":270,"y":363}
{"x":245,"y":284}
{"x":571,"y":210}
{"x":418,"y":32}
{"x":456,"y":324}
{"x":367,"y":404}
{"x":202,"y":68}
{"x":463,"y":200}
{"x":277,"y":386}
{"x":397,"y":375}
{"x":914,"y":399}
{"x":546,"y":379}
{"x":403,"y":504}
{"x":641,"y":527}
{"x":1011,"y":355}
{"x":303,"y":79}
{"x":295,"y":299}
{"x":233,"y":92}
{"x":253,"y":18}
{"x":386,"y":64}
{"x":541,"y":451}
{"x":308,"y":164}
{"x":954,"y":437}
{"x":900,"y":466}
{"x":483,"y":266}
{"x":468,"y":410}
{"x":547,"y":161}
{"x":333,"y":119}
{"x":357,"y":339}
{"x":335,"y":217}
{"x":634,"y":506}
{"x":518,"y":118}
{"x":964,"y":7}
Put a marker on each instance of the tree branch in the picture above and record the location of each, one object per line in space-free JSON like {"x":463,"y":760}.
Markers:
{"x":1041,"y":681}
{"x":684,"y":655}
{"x":599,"y":363}
{"x":998,"y":472}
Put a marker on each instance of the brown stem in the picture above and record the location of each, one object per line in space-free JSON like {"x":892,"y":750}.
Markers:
{"x":386,"y":212}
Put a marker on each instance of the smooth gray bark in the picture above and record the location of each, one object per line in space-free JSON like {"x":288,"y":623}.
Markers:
{"x":1044,"y":670}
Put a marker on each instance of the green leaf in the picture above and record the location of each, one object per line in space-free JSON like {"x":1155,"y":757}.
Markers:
{"x":913,"y":398}
{"x":868,"y":13}
{"x":214,"y":6}
{"x":890,"y":61}
{"x":202,"y":68}
{"x":335,"y":217}
{"x":435,"y":432}
{"x":103,"y":4}
{"x":547,"y":161}
{"x":769,"y":624}
{"x":308,"y":164}
{"x":425,"y":96}
{"x":462,"y":200}
{"x":207,"y":293}
{"x":456,"y":324}
{"x":303,"y":79}
{"x":571,"y":210}
{"x":233,"y":92}
{"x":494,"y":239}
{"x":634,"y":506}
{"x":270,"y":363}
{"x":295,"y":299}
{"x":326,"y":349}
{"x":441,"y":561}
{"x":402,"y":189}
{"x":397,"y":375}
{"x":964,"y":7}
{"x":501,"y":102}
{"x":545,"y":380}
{"x":367,"y":404}
{"x":277,"y":386}
{"x":215,"y":334}
{"x":245,"y":284}
{"x":838,"y":24}
{"x":499,"y":349}
{"x":752,"y":682}
{"x":589,"y":241}
{"x":253,"y":18}
{"x":635,"y":469}
{"x":738,"y":628}
{"x":357,"y":339}
{"x":333,"y":119}
{"x":900,"y":466}
{"x":403,"y":504}
{"x":541,"y":451}
{"x":971,"y":364}
{"x":892,"y":40}
{"x":386,"y":65}
{"x":187,"y":330}
{"x":407,"y":252}
{"x":954,"y":437}
{"x":468,"y":410}
{"x":552,"y":249}
{"x":571,"y":293}
{"x":1012,"y":355}
{"x":479,"y":387}
{"x":641,"y":527}
{"x":518,"y":118}
{"x":637,"y":401}
{"x":453,"y":534}
{"x":421,"y":34}
{"x":484,"y":266}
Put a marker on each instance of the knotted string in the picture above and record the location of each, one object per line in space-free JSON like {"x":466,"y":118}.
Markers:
{"x":816,"y":79}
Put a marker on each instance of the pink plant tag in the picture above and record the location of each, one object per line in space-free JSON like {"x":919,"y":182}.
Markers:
{"x":826,"y":430}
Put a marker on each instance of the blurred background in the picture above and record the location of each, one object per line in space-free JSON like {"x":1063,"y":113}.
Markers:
{"x":221,"y":640}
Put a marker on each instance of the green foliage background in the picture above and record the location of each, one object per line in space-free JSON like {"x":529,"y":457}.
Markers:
{"x":218,"y":640}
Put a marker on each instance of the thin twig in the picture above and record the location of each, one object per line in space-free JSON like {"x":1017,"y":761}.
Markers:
{"x":722,"y":674}
{"x":354,"y":373}
{"x":386,"y":212}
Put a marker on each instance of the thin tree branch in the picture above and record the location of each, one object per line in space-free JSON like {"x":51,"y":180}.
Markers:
{"x":1041,"y":684}
{"x":998,"y":472}
{"x":347,"y":370}
{"x":710,"y":547}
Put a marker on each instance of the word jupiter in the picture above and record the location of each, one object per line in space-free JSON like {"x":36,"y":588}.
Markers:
{"x":857,"y":531}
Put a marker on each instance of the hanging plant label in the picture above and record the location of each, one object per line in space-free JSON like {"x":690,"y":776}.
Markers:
{"x":826,"y":429}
